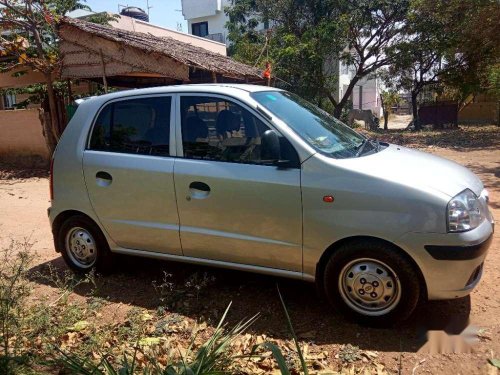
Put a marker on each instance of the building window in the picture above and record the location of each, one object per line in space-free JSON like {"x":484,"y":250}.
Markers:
{"x":9,"y":101}
{"x":200,"y":29}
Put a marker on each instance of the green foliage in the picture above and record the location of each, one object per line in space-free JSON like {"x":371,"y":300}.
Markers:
{"x":35,"y":23}
{"x":494,"y":80}
{"x":302,"y":36}
{"x":294,"y":336}
{"x":212,"y":357}
{"x":349,"y":353}
{"x":15,"y":262}
{"x":28,"y":37}
{"x":390,"y":98}
{"x":450,"y":45}
{"x":55,"y":334}
{"x":308,"y":38}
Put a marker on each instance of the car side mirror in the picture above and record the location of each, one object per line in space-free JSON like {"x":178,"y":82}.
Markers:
{"x":271,"y":150}
{"x":270,"y":146}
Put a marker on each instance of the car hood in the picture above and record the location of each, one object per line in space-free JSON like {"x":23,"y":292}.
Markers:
{"x":417,"y":169}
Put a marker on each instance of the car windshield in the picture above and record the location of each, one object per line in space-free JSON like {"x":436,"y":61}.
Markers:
{"x":320,"y":129}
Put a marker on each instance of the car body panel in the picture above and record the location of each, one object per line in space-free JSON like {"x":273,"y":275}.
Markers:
{"x":138,"y":208}
{"x":364,"y":205}
{"x":252,"y":214}
{"x":413,"y":168}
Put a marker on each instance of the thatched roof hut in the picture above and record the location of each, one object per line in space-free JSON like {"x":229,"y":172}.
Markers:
{"x":132,"y":59}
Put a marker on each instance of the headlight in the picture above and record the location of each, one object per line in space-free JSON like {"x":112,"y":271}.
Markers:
{"x":464,"y":212}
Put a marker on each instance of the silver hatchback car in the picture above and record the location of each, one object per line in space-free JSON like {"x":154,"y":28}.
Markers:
{"x":257,"y":179}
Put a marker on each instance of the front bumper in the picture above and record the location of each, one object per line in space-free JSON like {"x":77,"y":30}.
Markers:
{"x":451,"y":263}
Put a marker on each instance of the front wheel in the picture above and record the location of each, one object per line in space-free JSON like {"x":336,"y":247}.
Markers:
{"x":83,"y":245}
{"x":372,"y":282}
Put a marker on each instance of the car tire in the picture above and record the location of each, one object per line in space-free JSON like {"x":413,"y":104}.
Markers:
{"x":83,"y":245}
{"x":372,"y":282}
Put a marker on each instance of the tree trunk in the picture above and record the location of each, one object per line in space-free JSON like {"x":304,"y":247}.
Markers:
{"x":385,"y":112}
{"x":53,"y":118}
{"x":46,"y":122}
{"x":498,"y":113}
{"x":337,"y":112}
{"x":55,"y":128}
{"x":414,"y":106}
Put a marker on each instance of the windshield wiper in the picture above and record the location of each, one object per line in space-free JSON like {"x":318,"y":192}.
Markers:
{"x":362,"y":146}
{"x":372,"y":142}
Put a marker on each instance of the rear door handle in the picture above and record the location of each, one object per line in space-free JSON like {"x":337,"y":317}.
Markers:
{"x":103,"y":178}
{"x":198,"y":190}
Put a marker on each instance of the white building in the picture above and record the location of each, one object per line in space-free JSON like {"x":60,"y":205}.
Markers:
{"x":366,"y":93}
{"x":207,"y":19}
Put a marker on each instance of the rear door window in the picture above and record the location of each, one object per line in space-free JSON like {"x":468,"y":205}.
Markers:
{"x":135,"y":126}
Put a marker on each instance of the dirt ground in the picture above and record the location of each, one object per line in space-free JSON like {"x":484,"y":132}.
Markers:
{"x":398,"y":121}
{"x":23,"y":214}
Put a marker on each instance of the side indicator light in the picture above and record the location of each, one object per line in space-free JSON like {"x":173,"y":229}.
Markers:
{"x":328,"y":199}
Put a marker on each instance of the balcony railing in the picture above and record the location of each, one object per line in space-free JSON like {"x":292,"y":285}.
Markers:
{"x":218,"y":37}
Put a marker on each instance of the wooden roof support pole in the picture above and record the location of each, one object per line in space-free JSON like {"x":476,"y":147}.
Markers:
{"x":70,"y":91}
{"x":104,"y":80}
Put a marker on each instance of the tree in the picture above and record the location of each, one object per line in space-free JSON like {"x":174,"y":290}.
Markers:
{"x":28,"y":35}
{"x":389,"y":99}
{"x":473,"y":48}
{"x":416,"y":66}
{"x":449,"y":44}
{"x":300,"y":39}
{"x":374,"y":28}
{"x":309,"y":38}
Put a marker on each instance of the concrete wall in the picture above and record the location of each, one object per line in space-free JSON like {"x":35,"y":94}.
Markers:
{"x":7,"y":80}
{"x":131,"y":24}
{"x":21,"y":138}
{"x":196,"y":8}
{"x":479,"y":113}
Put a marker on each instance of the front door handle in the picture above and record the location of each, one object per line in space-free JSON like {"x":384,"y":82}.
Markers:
{"x":198,"y":190}
{"x":103,"y":178}
{"x":197,"y":185}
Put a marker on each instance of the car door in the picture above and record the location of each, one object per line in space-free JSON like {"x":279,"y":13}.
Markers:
{"x":129,"y":173}
{"x":234,"y":205}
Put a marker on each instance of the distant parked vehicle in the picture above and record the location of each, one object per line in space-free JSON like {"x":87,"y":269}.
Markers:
{"x":257,"y":179}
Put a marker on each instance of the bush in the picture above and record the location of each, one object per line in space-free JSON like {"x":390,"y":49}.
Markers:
{"x":15,"y":262}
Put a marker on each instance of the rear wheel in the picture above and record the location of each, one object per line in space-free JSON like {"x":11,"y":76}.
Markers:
{"x":83,"y":245}
{"x":372,"y":282}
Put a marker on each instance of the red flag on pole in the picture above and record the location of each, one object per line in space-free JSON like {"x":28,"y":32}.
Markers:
{"x":267,"y":71}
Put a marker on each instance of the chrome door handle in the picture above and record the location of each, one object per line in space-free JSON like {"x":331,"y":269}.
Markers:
{"x":103,"y":178}
{"x":198,"y":190}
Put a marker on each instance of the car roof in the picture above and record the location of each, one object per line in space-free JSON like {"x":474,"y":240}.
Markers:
{"x":214,"y":88}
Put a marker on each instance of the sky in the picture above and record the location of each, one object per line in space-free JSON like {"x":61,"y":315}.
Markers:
{"x":165,"y":13}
